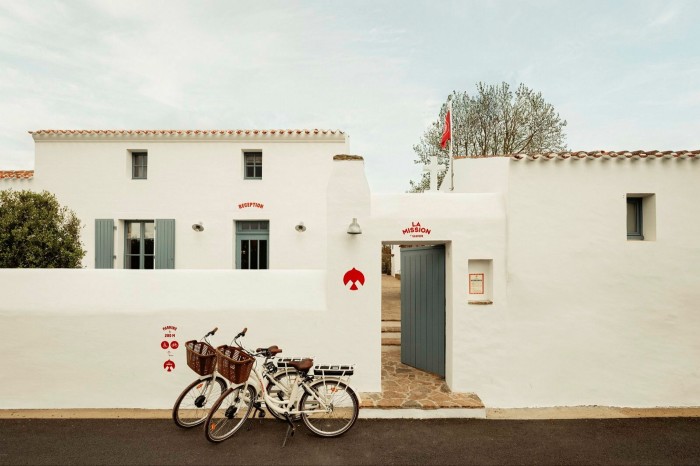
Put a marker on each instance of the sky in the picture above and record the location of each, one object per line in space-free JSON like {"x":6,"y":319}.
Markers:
{"x":625,"y":75}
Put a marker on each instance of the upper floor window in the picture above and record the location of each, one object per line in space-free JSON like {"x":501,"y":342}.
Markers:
{"x":634,"y":218}
{"x":641,"y":216}
{"x":252,"y":162}
{"x":139,"y":165}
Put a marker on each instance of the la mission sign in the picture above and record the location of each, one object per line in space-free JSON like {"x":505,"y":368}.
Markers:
{"x":416,"y":230}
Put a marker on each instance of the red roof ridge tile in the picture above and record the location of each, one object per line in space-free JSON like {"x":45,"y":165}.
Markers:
{"x":177,"y":132}
{"x":17,"y":174}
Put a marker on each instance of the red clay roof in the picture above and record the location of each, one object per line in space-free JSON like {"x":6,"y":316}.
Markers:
{"x":599,"y":154}
{"x":17,"y":174}
{"x":181,"y":132}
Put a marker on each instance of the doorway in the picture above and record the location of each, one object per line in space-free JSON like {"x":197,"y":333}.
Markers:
{"x":413,"y":305}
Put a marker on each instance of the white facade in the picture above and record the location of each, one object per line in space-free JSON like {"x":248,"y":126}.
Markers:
{"x":196,"y":177}
{"x":572,"y":311}
{"x":592,"y":318}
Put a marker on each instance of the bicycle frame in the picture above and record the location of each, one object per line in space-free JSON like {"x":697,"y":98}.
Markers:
{"x":289,"y":406}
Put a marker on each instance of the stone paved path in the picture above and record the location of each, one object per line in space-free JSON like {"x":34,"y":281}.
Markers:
{"x":406,"y":387}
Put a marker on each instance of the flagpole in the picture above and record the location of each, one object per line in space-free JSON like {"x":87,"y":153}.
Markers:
{"x":452,"y":172}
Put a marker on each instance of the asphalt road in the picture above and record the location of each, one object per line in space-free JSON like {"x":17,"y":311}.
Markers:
{"x":673,"y":441}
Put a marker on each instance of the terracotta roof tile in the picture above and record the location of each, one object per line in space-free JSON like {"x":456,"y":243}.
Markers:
{"x":641,"y":154}
{"x":178,"y":132}
{"x":601,"y":154}
{"x":17,"y":174}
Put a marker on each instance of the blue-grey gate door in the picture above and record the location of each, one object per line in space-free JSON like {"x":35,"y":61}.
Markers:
{"x":423,"y":308}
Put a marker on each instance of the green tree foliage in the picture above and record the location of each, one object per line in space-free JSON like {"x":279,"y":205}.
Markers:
{"x":494,"y":121}
{"x":35,"y":231}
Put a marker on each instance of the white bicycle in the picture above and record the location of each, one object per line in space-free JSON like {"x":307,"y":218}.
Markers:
{"x":196,"y":400}
{"x":321,"y":397}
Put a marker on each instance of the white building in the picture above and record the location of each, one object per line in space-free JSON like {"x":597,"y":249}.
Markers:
{"x":566,"y":279}
{"x":229,"y":181}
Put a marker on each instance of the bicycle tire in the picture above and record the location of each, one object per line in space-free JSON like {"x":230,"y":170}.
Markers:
{"x":344,"y":408}
{"x":192,"y":406}
{"x":229,"y":413}
{"x":275,"y":392}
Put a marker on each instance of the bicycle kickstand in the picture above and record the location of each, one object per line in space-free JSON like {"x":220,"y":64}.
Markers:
{"x":290,"y":430}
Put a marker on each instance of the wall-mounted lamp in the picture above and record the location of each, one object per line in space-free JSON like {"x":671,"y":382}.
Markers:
{"x":354,"y":228}
{"x":198,"y":227}
{"x":300,"y":227}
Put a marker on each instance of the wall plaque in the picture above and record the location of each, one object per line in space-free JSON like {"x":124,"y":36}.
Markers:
{"x":476,"y":283}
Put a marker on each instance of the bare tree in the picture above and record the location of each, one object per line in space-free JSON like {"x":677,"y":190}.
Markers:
{"x":495,"y":121}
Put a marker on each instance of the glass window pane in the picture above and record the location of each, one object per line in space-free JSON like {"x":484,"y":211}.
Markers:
{"x":139,"y":162}
{"x":134,"y":246}
{"x":149,"y":262}
{"x":254,"y":254}
{"x":149,"y":237}
{"x":631,"y":218}
{"x":253,"y":165}
{"x":149,"y":246}
{"x":245,"y":246}
{"x":134,"y":262}
{"x":263,"y":254}
{"x":133,"y":238}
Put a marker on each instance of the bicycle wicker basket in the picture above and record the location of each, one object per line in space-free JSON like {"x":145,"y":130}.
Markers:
{"x":234,"y":363}
{"x":201,"y":357}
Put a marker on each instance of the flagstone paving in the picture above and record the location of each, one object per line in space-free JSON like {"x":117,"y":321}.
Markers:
{"x":406,"y":387}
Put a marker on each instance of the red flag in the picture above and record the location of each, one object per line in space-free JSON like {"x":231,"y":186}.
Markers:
{"x":448,"y":131}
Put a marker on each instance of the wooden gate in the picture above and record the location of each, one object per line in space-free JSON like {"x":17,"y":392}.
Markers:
{"x":423,"y":308}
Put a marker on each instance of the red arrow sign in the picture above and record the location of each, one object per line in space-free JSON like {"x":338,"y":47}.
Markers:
{"x":354,"y":276}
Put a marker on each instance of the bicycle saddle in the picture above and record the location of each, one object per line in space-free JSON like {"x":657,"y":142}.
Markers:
{"x":302,"y":366}
{"x":271,"y":351}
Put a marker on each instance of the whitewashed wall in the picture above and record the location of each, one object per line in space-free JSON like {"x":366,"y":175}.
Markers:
{"x":580,"y":315}
{"x":197,"y":180}
{"x":592,"y":319}
{"x":91,"y":338}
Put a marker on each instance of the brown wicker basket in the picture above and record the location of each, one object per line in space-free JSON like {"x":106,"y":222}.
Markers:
{"x":201,"y":357}
{"x":234,"y":363}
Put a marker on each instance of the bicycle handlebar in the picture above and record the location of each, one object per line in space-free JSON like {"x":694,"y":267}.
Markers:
{"x":212,"y":332}
{"x":242,"y":334}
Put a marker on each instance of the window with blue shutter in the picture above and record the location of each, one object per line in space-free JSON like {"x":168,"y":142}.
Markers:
{"x":104,"y":243}
{"x":165,"y":244}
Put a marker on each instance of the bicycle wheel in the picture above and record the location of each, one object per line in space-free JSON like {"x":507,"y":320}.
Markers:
{"x":229,"y":413}
{"x":195,"y":401}
{"x":286,"y":381}
{"x":334,"y":408}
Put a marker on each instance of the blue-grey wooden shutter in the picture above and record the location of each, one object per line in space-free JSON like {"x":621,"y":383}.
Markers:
{"x":423,"y":308}
{"x":104,"y":243}
{"x":165,"y":244}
